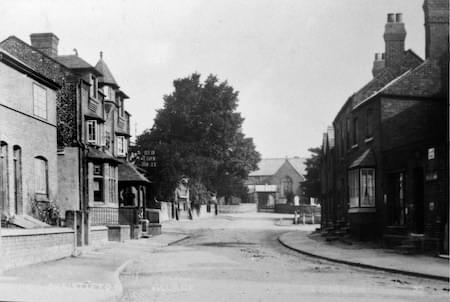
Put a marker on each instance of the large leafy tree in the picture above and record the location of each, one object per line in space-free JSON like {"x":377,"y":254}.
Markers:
{"x":198,"y":134}
{"x":311,"y":185}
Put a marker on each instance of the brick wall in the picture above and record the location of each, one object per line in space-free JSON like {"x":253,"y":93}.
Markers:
{"x":98,"y":235}
{"x":24,"y":247}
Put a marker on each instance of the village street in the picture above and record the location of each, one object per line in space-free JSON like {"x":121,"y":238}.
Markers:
{"x":239,"y":258}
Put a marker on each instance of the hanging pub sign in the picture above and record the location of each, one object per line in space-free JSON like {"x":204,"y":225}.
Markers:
{"x":431,"y":153}
{"x":148,"y":158}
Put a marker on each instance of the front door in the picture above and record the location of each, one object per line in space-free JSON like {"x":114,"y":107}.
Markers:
{"x":419,"y":203}
{"x":396,"y":205}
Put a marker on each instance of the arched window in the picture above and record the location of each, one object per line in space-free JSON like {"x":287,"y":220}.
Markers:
{"x":3,"y":175}
{"x":17,"y":178}
{"x":41,"y":175}
{"x":286,"y":186}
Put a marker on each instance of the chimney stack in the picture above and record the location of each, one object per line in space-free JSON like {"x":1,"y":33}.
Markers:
{"x":378,"y":64}
{"x":394,"y":37}
{"x":45,"y":42}
{"x":436,"y":28}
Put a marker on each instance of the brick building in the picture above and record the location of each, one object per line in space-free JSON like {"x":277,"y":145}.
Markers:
{"x":276,"y":181}
{"x":92,"y":131}
{"x":28,"y":168}
{"x":386,"y":173}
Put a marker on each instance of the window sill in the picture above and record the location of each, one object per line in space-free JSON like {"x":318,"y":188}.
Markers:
{"x":369,"y":139}
{"x":41,"y":197}
{"x":93,"y":100}
{"x":361,"y":210}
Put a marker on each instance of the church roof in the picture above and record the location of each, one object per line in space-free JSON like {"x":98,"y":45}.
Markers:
{"x":270,"y":166}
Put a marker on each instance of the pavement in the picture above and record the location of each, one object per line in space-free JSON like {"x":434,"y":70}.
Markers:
{"x":366,"y":257}
{"x":92,"y":276}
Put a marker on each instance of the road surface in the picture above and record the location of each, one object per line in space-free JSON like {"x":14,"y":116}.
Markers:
{"x":238,"y":258}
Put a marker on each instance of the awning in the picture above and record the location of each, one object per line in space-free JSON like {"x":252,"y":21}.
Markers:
{"x":128,"y":173}
{"x":367,"y":159}
{"x":93,"y":116}
{"x":94,"y":153}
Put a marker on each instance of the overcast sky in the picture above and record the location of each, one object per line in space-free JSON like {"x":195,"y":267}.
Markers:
{"x":294,"y":62}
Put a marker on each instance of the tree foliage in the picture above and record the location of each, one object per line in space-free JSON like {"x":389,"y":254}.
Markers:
{"x":198,"y":133}
{"x":311,"y":185}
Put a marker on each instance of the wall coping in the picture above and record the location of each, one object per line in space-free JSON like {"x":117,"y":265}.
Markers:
{"x":99,"y":228}
{"x":33,"y":232}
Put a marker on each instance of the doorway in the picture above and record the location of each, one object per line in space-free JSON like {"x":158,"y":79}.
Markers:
{"x":17,"y":178}
{"x":419,"y":203}
{"x":396,"y":205}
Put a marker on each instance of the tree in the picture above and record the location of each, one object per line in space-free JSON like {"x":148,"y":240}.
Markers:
{"x":311,"y":185}
{"x":198,"y":133}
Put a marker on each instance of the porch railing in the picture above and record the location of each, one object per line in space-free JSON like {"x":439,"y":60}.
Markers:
{"x":104,"y":216}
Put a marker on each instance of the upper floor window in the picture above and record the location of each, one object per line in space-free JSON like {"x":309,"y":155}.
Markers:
{"x":39,"y":101}
{"x":92,"y":131}
{"x":347,"y":133}
{"x":41,"y":175}
{"x":369,"y":128}
{"x":121,"y":108}
{"x":94,"y":87}
{"x":355,"y":131}
{"x":121,"y":146}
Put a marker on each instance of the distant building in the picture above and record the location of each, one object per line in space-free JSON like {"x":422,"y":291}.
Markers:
{"x":277,"y":181}
{"x":28,"y":168}
{"x":385,"y":167}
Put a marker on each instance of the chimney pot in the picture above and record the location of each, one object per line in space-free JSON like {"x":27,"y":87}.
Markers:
{"x":399,"y":18}
{"x":391,"y":18}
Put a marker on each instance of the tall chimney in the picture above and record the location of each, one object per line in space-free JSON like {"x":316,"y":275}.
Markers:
{"x":436,"y":28}
{"x":394,"y":37}
{"x":378,"y":64}
{"x":45,"y":42}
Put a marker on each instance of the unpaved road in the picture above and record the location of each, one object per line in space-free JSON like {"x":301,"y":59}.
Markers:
{"x":238,"y":258}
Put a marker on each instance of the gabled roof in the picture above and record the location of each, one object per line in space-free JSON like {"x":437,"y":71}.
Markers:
{"x":107,"y":77}
{"x":410,"y":60}
{"x":270,"y":166}
{"x":77,"y":63}
{"x":422,"y":81}
{"x":20,"y":66}
{"x":129,"y":173}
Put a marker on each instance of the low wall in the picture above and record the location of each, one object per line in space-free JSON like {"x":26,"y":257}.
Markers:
{"x":165,"y":213}
{"x":240,"y":208}
{"x":289,"y":209}
{"x":98,"y":236}
{"x":202,"y":212}
{"x":20,"y":247}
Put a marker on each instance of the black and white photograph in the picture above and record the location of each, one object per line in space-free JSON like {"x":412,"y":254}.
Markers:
{"x":224,"y":150}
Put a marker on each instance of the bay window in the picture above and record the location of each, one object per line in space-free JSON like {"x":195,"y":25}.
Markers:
{"x":362,"y":187}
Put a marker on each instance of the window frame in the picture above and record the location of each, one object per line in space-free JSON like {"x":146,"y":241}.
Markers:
{"x":38,"y":108}
{"x":356,"y":187}
{"x":98,"y":177}
{"x":41,"y":175}
{"x":95,"y":132}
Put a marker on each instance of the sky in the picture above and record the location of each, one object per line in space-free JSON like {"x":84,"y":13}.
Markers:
{"x":294,"y":62}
